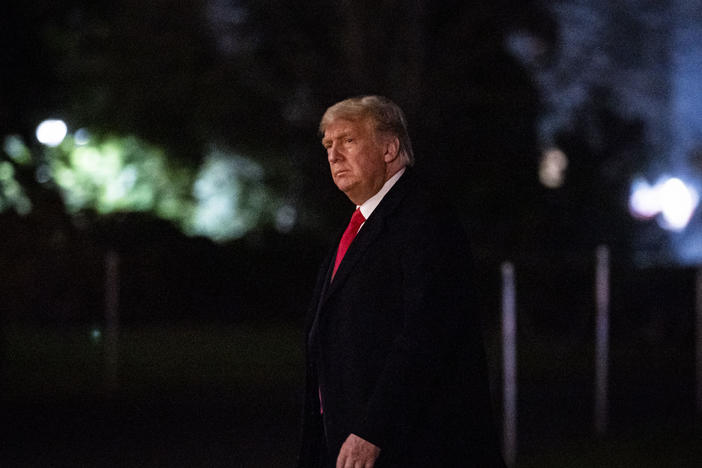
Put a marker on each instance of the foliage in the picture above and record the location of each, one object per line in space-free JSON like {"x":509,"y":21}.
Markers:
{"x":223,"y":199}
{"x":254,"y":77}
{"x":120,"y":174}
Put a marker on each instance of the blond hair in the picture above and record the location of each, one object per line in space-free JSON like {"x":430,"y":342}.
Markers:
{"x":386,"y":115}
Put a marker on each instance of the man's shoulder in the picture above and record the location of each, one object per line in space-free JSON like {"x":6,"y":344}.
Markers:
{"x":424,"y":214}
{"x":425,"y":202}
{"x":426,"y":228}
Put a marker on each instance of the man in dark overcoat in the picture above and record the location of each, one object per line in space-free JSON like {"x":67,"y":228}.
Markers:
{"x":396,"y":373}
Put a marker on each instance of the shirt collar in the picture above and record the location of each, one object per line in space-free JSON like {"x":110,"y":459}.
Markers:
{"x":372,"y":203}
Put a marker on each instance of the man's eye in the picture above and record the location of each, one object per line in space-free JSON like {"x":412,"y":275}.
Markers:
{"x":349,"y":140}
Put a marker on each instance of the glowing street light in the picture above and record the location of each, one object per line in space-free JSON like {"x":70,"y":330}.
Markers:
{"x":670,"y":200}
{"x":643,"y":200}
{"x":552,"y":168}
{"x":678,"y":202}
{"x":51,"y":132}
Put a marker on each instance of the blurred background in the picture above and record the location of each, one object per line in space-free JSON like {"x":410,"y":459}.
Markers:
{"x":165,"y":203}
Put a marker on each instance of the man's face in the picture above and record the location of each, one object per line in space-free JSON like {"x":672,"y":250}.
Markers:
{"x":356,"y":158}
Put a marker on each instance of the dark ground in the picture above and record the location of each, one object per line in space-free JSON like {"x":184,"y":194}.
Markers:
{"x":210,"y":396}
{"x":165,"y":430}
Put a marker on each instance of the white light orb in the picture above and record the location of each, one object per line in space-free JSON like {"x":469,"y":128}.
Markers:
{"x":678,"y":203}
{"x":552,"y":169}
{"x":51,"y":132}
{"x":643,"y":200}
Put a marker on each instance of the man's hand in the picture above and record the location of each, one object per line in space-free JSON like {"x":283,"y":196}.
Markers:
{"x":357,"y":453}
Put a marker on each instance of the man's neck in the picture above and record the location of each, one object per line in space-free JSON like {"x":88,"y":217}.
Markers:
{"x":370,"y":205}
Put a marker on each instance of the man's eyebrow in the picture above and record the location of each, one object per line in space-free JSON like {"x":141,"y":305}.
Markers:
{"x":342,"y":134}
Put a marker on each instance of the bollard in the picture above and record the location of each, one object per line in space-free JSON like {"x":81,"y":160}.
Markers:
{"x":601,"y":339}
{"x":509,"y":369}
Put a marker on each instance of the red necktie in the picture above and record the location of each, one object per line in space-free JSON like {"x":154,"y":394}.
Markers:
{"x":351,"y":230}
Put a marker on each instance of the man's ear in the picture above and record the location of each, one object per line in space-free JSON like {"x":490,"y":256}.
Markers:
{"x":392,"y":149}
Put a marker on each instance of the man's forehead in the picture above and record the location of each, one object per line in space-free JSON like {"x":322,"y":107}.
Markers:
{"x":342,"y":126}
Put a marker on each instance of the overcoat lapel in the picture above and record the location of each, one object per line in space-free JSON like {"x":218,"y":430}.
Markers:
{"x":370,"y":231}
{"x":320,"y":290}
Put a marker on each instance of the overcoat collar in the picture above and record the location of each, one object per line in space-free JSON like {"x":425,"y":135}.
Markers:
{"x":372,"y":228}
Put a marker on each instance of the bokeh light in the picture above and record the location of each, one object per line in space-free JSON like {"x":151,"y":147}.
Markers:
{"x":231,"y":198}
{"x":81,"y":137}
{"x":285,"y":218}
{"x":16,"y":149}
{"x":51,"y":132}
{"x":552,"y":169}
{"x":670,"y":200}
{"x":12,"y":195}
{"x":223,"y":199}
{"x":643,"y":200}
{"x":678,"y":203}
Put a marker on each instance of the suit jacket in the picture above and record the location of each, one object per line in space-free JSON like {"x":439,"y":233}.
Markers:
{"x":394,"y":343}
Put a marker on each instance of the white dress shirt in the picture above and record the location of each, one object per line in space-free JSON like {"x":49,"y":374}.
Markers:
{"x":372,"y":203}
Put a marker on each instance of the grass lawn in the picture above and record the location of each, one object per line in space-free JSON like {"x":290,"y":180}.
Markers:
{"x":228,"y":395}
{"x":68,"y":362}
{"x":188,"y":395}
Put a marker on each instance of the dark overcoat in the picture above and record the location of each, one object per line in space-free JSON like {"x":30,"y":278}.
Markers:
{"x":394,"y":343}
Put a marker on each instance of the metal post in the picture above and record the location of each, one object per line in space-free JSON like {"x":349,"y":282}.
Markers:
{"x":698,"y":353}
{"x":111,"y":320}
{"x":509,"y":353}
{"x":601,"y":339}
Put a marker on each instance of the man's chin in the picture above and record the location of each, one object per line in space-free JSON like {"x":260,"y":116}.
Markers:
{"x":350,"y":194}
{"x":344,"y":184}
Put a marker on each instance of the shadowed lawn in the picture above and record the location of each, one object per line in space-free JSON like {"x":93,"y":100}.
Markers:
{"x":671,"y":447}
{"x":203,"y":395}
{"x":188,"y":395}
{"x":46,"y":362}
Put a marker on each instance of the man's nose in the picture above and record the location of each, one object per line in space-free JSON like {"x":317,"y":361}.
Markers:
{"x":333,"y":154}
